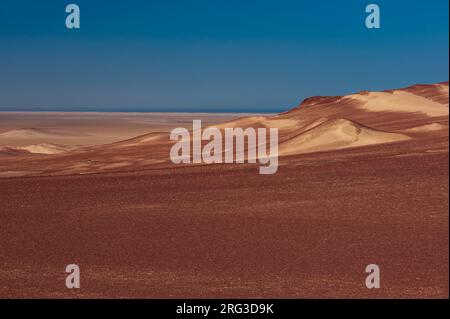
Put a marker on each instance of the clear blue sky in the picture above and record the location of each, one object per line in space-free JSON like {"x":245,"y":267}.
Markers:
{"x":213,"y":55}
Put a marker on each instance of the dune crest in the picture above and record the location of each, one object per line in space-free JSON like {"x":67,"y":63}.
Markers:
{"x":336,"y":134}
{"x":318,"y":124}
{"x":44,"y":148}
{"x":400,"y":101}
{"x":35,"y":133}
{"x":428,"y":128}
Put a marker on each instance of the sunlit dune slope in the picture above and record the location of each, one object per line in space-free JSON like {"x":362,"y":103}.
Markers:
{"x":336,"y":134}
{"x":318,"y":124}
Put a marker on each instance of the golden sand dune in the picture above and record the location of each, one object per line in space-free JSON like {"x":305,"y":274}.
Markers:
{"x":24,"y":137}
{"x":437,"y":92}
{"x":25,"y":133}
{"x":261,"y":121}
{"x":390,"y":110}
{"x":336,"y":134}
{"x":318,"y":124}
{"x":45,"y":148}
{"x":146,"y":139}
{"x":400,"y":101}
{"x":428,"y":128}
{"x":335,"y":122}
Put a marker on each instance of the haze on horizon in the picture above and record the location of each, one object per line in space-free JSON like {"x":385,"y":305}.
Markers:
{"x":212,"y":56}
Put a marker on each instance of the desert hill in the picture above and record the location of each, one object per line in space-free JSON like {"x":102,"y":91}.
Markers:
{"x":319,"y":124}
{"x":334,"y":135}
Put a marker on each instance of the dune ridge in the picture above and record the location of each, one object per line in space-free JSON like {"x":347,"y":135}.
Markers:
{"x":37,"y":133}
{"x":428,"y":128}
{"x":45,"y":148}
{"x":400,"y":101}
{"x":317,"y":124}
{"x":336,"y":134}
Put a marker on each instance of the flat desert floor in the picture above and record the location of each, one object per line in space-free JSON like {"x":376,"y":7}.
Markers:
{"x":217,"y":231}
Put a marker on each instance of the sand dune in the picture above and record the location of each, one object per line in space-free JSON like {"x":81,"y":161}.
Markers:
{"x":27,"y":133}
{"x":321,"y":123}
{"x":428,"y":128}
{"x":260,"y":121}
{"x":391,"y":110}
{"x":142,"y":140}
{"x":437,"y":92}
{"x":45,"y":148}
{"x":337,"y":134}
{"x":27,"y":137}
{"x":88,"y":129}
{"x":400,"y":101}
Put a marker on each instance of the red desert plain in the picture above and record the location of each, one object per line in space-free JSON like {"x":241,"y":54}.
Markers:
{"x":362,"y":179}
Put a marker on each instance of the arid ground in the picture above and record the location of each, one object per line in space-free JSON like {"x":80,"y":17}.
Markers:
{"x":363,"y":179}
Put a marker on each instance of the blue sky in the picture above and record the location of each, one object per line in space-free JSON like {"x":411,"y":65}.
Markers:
{"x":211,"y":55}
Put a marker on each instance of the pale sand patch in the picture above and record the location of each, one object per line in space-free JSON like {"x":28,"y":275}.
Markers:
{"x":399,"y":101}
{"x":243,"y":122}
{"x":281,"y":123}
{"x":314,"y":124}
{"x":44,"y":148}
{"x":336,"y":134}
{"x":427,"y":128}
{"x":115,"y":165}
{"x":27,"y":133}
{"x":143,"y":139}
{"x":259,"y":121}
{"x":15,"y":173}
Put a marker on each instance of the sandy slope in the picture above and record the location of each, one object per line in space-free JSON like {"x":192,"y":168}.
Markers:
{"x":28,"y":133}
{"x":87,"y":129}
{"x":224,"y":231}
{"x":437,"y":92}
{"x":399,"y":101}
{"x":45,"y":148}
{"x":428,"y":128}
{"x":336,"y":134}
{"x":318,"y":124}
